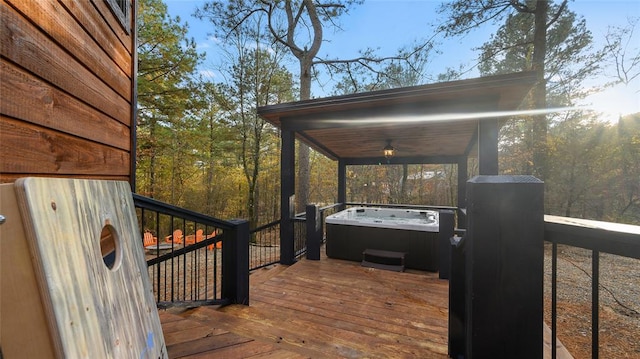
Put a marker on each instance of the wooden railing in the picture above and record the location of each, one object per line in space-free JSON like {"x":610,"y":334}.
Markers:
{"x":193,"y":259}
{"x":597,"y":237}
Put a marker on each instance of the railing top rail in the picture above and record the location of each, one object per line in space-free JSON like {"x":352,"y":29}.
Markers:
{"x":408,"y":206}
{"x":330,"y":206}
{"x":607,"y":237}
{"x":168,"y":209}
{"x":264,"y":226}
{"x":588,"y":223}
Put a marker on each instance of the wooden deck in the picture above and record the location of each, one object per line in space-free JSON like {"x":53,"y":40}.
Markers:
{"x":323,"y":309}
{"x":320,"y":309}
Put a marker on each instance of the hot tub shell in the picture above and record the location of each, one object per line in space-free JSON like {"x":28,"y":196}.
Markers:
{"x":352,"y":231}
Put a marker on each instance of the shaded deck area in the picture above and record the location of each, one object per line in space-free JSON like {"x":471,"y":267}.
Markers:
{"x":320,"y":309}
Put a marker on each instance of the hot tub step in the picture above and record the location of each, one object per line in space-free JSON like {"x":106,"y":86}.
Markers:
{"x":386,"y":260}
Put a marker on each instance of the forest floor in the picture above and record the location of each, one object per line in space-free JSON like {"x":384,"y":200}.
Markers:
{"x":619,"y":329}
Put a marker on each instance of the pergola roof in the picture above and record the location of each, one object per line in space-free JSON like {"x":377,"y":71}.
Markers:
{"x":425,"y":124}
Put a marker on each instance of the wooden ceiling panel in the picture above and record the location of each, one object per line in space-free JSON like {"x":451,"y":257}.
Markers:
{"x":440,"y":139}
{"x":435,"y":120}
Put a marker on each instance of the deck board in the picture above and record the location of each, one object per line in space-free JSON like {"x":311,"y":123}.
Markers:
{"x":327,"y":309}
{"x":322,"y":309}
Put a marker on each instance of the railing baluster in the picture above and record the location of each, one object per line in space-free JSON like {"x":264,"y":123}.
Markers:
{"x":595,"y":303}
{"x":554,"y":299}
{"x":157,"y":281}
{"x":177,"y":276}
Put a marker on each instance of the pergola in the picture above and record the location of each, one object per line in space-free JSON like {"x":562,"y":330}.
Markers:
{"x":430,"y":124}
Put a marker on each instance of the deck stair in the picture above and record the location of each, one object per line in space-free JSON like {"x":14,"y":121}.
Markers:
{"x":388,"y":260}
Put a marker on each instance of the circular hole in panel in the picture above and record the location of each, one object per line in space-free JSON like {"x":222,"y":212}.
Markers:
{"x":110,"y":247}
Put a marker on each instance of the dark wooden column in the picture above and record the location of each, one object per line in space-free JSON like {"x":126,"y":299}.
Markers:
{"x":488,"y":146}
{"x":504,"y":266}
{"x":447,"y":226}
{"x":462,"y":191}
{"x":287,"y":193}
{"x":314,"y":231}
{"x":235,"y":281}
{"x":342,"y":183}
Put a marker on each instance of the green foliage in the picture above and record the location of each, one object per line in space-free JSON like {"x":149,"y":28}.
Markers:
{"x":413,"y":184}
{"x":202,"y":145}
{"x":595,"y":169}
{"x":166,"y":68}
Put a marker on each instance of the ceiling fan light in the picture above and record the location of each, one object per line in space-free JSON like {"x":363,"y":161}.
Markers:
{"x":388,"y":150}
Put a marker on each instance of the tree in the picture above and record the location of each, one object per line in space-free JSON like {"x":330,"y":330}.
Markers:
{"x":627,"y":202}
{"x":570,"y":60}
{"x":257,"y":80}
{"x":578,"y":165}
{"x":301,"y":31}
{"x":299,"y":26}
{"x":254,"y":77}
{"x":464,"y":16}
{"x":167,"y":62}
{"x":625,"y":54}
{"x":406,"y":69}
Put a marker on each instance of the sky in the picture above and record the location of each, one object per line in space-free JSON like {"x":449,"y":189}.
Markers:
{"x":387,"y":25}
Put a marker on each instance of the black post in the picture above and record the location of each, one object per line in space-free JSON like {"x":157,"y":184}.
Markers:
{"x":342,"y":184}
{"x":457,"y":299}
{"x":462,"y":191}
{"x":287,"y":199}
{"x":447,"y":224}
{"x":314,"y":232}
{"x":235,"y":263}
{"x":488,"y":146}
{"x":504,"y":267}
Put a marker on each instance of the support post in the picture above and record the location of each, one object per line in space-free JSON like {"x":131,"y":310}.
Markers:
{"x":504,"y":267}
{"x":488,"y":146}
{"x":342,"y":184}
{"x":462,"y":191}
{"x":457,"y":299}
{"x":447,"y":224}
{"x":314,"y":232}
{"x":287,"y":193}
{"x":235,"y":263}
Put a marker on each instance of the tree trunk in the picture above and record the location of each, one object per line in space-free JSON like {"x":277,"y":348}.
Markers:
{"x":304,"y":170}
{"x":403,"y":184}
{"x":152,"y":159}
{"x":540,"y":90}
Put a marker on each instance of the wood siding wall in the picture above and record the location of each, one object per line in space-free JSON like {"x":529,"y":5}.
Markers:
{"x":67,"y":83}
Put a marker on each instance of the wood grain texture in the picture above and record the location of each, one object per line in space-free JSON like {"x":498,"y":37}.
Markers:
{"x":28,"y":98}
{"x":23,"y":325}
{"x":325,"y":309}
{"x":24,"y":44}
{"x":102,"y":8}
{"x":56,"y":21}
{"x":409,"y":140}
{"x":94,"y":24}
{"x":93,"y":312}
{"x":338,"y":309}
{"x":26,"y":148}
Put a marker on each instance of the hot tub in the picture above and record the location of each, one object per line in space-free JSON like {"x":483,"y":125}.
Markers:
{"x":414,"y":232}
